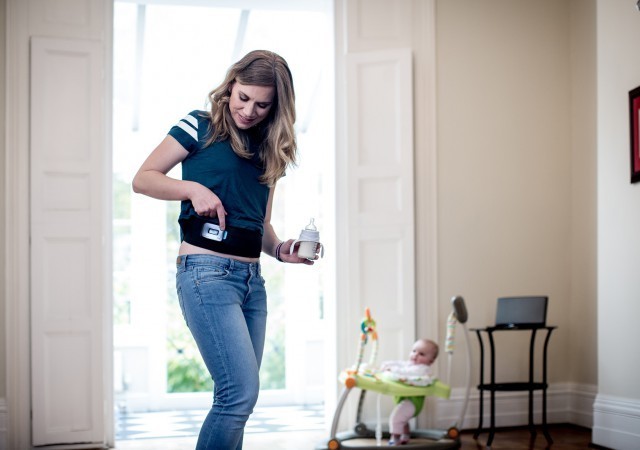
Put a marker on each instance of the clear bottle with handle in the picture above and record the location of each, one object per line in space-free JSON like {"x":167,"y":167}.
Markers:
{"x":309,"y":242}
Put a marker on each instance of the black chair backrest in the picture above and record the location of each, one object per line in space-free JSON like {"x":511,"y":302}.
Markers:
{"x":529,"y":311}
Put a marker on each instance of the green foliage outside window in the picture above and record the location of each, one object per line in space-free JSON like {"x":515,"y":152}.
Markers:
{"x":272,"y":371}
{"x":122,"y":256}
{"x":185,"y":370}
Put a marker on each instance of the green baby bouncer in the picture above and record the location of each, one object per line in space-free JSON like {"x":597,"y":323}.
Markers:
{"x":362,"y":376}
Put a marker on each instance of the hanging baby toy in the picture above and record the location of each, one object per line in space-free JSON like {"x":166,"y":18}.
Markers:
{"x":367,"y":328}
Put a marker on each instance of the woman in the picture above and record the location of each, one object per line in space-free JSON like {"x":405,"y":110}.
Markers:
{"x":231,"y":156}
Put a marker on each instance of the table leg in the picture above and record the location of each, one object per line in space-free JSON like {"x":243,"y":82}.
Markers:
{"x":479,"y":429}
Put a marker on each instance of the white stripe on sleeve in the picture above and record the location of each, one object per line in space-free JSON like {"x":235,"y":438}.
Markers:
{"x":189,"y":130}
{"x":192,"y":120}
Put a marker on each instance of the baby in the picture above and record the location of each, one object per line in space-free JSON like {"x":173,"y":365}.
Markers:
{"x":417,"y":372}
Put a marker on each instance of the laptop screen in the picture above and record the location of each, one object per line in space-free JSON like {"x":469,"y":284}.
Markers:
{"x":528,"y":311}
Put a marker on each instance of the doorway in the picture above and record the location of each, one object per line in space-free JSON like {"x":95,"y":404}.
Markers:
{"x":167,"y":57}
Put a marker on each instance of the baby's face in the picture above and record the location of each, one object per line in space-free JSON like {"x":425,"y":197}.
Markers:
{"x":422,"y":353}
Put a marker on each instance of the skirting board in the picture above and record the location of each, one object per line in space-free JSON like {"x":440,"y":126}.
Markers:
{"x":566,"y":403}
{"x":3,"y":424}
{"x":616,"y":422}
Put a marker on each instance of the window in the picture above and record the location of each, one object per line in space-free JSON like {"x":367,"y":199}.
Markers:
{"x":166,"y":59}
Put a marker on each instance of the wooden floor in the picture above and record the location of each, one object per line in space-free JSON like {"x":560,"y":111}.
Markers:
{"x":565,"y":437}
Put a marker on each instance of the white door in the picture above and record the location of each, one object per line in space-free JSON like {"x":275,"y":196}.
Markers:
{"x":67,"y":241}
{"x":380,"y":194}
{"x":376,"y":266}
{"x":380,"y":124}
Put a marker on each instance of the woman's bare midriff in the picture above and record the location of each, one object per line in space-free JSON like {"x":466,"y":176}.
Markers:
{"x":189,"y":249}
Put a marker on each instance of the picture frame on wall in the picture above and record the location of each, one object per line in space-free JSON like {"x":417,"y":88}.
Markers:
{"x":634,"y":126}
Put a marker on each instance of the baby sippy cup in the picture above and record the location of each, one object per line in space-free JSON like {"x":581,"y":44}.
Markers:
{"x":309,"y":241}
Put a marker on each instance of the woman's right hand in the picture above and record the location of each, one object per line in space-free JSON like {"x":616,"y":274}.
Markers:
{"x":206,"y":203}
{"x":152,"y":180}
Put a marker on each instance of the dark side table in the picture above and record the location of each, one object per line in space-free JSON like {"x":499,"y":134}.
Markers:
{"x":531,"y":385}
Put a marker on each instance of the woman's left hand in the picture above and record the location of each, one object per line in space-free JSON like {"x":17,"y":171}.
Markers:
{"x":286,"y":256}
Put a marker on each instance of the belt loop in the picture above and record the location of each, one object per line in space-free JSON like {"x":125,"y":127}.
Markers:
{"x":181,"y":260}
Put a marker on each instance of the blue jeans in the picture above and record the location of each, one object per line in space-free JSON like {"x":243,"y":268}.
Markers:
{"x":224,"y":304}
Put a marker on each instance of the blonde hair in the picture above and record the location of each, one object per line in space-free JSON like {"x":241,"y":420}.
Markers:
{"x":278,"y":149}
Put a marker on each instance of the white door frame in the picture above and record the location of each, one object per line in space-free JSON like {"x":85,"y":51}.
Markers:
{"x":16,"y":284}
{"x":365,"y":28}
{"x":25,"y":19}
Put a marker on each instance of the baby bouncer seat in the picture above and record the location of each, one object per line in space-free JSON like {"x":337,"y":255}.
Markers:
{"x":363,"y":437}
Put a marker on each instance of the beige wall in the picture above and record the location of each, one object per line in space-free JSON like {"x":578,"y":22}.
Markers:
{"x":583,"y":314}
{"x":3,"y":383}
{"x":514,"y":216}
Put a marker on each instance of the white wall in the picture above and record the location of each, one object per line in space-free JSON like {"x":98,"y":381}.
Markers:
{"x":618,"y":200}
{"x":617,"y":409}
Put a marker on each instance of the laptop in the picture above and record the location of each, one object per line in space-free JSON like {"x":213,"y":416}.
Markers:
{"x":529,"y":311}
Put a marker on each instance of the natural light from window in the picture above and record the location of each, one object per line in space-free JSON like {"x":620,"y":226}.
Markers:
{"x":166,"y":59}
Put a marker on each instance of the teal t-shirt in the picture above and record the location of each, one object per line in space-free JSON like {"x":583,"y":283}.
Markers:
{"x":235,"y":180}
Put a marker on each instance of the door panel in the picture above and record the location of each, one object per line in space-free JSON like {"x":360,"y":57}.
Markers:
{"x":67,"y":142}
{"x":379,"y":167}
{"x":381,"y":170}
